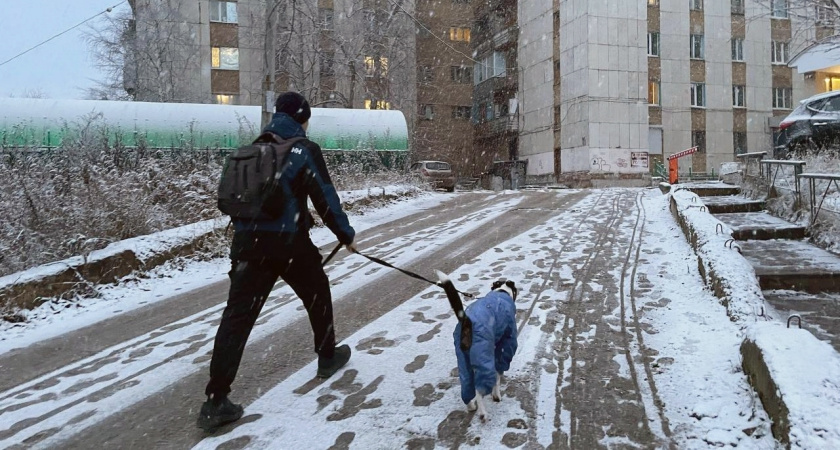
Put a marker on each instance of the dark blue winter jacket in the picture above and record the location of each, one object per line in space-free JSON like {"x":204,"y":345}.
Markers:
{"x":304,"y":176}
{"x":493,"y":343}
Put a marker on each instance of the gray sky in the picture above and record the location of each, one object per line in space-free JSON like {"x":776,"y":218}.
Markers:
{"x":61,"y":68}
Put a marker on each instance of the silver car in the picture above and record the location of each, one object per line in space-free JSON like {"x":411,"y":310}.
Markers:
{"x":437,"y":173}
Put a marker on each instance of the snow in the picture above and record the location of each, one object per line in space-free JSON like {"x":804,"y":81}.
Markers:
{"x":713,"y":243}
{"x":693,"y":333}
{"x":188,"y":339}
{"x":806,"y":372}
{"x":55,"y":318}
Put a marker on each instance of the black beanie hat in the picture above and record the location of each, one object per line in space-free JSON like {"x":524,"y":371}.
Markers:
{"x":294,"y":105}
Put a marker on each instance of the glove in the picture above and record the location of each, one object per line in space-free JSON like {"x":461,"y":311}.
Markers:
{"x":351,"y":247}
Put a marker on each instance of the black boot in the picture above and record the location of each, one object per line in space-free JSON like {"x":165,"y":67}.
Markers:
{"x":218,"y":411}
{"x":327,"y":367}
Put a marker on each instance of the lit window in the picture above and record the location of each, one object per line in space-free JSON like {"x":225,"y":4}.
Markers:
{"x":698,"y":95}
{"x":460,"y":34}
{"x":224,"y":58}
{"x":226,"y":99}
{"x":371,"y":63}
{"x":653,"y":43}
{"x":653,"y":92}
{"x":737,"y":49}
{"x":697,"y":49}
{"x":739,"y":94}
{"x":780,"y":52}
{"x":779,"y":9}
{"x":223,"y":11}
{"x":377,"y":104}
{"x":653,"y":2}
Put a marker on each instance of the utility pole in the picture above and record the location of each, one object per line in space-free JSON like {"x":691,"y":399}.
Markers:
{"x":269,"y":56}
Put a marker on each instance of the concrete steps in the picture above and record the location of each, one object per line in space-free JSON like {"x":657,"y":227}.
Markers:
{"x":760,"y":226}
{"x":729,"y":204}
{"x":820,"y":313}
{"x":793,"y":264}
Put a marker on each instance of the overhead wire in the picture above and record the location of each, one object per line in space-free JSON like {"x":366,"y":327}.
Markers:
{"x":422,"y":25}
{"x":106,"y":11}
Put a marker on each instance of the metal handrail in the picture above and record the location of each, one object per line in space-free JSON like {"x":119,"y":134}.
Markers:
{"x":812,"y":181}
{"x":779,"y":165}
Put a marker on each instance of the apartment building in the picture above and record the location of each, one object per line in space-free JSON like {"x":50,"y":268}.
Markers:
{"x":495,"y":77}
{"x":623,"y":84}
{"x":444,"y":83}
{"x":376,"y":54}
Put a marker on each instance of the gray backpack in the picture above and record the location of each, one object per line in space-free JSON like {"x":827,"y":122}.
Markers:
{"x":250,"y":185}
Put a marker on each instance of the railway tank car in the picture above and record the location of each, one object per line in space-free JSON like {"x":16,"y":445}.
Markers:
{"x":46,"y":123}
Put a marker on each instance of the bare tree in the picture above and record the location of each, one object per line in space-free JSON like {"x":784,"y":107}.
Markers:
{"x":347,"y":55}
{"x":145,"y":53}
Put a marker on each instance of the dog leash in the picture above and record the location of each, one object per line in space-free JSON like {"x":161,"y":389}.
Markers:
{"x":389,"y":265}
{"x":332,"y":253}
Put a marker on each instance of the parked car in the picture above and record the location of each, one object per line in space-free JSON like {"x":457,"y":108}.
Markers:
{"x":437,"y":173}
{"x":813,"y":125}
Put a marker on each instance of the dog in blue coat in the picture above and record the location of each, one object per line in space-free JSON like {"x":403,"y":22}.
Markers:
{"x":485,"y":342}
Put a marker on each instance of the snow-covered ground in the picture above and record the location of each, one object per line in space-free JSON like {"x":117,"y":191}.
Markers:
{"x":679,"y":349}
{"x":56,"y":317}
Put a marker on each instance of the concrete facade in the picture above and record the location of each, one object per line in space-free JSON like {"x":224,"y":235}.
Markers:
{"x":604,"y":126}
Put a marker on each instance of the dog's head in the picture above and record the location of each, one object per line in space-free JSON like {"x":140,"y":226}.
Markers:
{"x":506,"y":286}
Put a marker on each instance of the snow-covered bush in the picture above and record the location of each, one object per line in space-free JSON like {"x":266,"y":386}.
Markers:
{"x":78,"y":198}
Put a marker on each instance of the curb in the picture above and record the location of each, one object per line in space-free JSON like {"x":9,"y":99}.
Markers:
{"x":772,"y":356}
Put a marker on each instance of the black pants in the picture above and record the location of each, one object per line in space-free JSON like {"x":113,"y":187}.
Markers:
{"x":250,"y":284}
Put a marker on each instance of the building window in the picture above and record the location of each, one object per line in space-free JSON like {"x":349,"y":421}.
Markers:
{"x":426,"y":74}
{"x":739,"y":95}
{"x":737,"y":6}
{"x":779,"y":9}
{"x":698,"y":139}
{"x":653,"y":43}
{"x":653,"y":2}
{"x":832,"y":83}
{"x":224,"y":58}
{"x":461,"y":74}
{"x":224,"y":12}
{"x":739,"y":141}
{"x":782,"y":98}
{"x":698,"y":95}
{"x":373,"y":62}
{"x":377,"y":104}
{"x":824,"y":14}
{"x":327,"y":19}
{"x":327,"y":63}
{"x":697,"y":49}
{"x":499,"y":64}
{"x":780,"y":52}
{"x":653,"y":93}
{"x":226,"y":99}
{"x":426,"y":112}
{"x":737,"y":49}
{"x":459,"y":34}
{"x":461,"y":112}
{"x":695,"y":5}
{"x":370,"y":21}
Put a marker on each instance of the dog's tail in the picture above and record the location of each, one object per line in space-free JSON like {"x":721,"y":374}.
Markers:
{"x":458,"y":308}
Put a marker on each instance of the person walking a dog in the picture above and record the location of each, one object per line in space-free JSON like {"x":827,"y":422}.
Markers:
{"x":264,"y":250}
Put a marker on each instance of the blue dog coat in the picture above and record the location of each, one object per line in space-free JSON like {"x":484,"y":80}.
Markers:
{"x":493,"y":343}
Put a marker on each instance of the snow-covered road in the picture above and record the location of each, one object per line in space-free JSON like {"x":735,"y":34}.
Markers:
{"x":620,"y":346}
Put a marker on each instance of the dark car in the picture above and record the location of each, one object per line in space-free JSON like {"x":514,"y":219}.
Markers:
{"x":813,"y":125}
{"x":437,"y":173}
